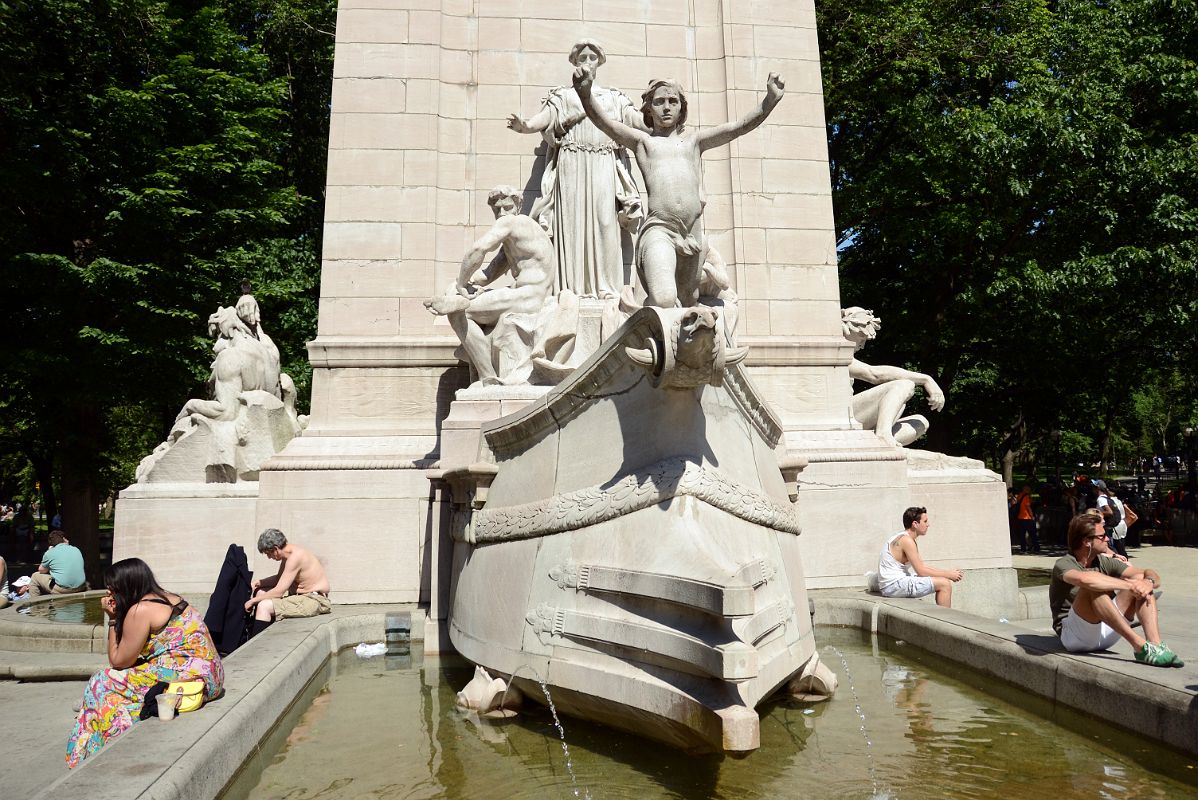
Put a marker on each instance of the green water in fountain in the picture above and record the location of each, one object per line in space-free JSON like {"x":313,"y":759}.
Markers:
{"x":388,"y":728}
{"x":82,"y":610}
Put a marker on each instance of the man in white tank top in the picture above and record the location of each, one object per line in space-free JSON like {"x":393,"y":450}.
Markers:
{"x":901,"y":571}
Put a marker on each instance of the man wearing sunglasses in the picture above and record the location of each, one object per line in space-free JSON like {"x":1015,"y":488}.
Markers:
{"x":1094,"y":598}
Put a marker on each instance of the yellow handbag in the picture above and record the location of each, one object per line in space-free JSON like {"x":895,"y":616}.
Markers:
{"x":189,"y":695}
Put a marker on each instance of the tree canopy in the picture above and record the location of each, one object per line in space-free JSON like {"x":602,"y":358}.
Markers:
{"x":159,"y":152}
{"x":1014,"y":196}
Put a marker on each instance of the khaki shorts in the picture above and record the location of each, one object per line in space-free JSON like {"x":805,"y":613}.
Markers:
{"x":39,"y":584}
{"x":301,"y":605}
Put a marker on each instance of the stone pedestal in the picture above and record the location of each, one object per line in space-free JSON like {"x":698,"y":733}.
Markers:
{"x":461,"y":435}
{"x":182,"y":530}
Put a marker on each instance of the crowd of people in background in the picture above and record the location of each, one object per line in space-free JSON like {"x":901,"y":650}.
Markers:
{"x":1039,"y":514}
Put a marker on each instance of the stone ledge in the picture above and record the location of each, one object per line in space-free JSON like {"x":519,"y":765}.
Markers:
{"x":1154,"y":702}
{"x":196,"y":755}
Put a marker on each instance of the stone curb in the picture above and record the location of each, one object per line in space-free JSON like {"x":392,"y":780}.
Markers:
{"x":27,"y":634}
{"x":34,"y":673}
{"x":195,"y":756}
{"x":1157,"y":704}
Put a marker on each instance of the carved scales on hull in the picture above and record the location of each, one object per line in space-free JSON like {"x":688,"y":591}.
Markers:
{"x":633,"y":542}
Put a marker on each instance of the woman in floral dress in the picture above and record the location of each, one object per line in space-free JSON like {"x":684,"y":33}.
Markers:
{"x":153,"y":636}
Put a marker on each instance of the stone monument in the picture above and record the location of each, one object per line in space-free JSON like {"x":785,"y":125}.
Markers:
{"x":655,"y":584}
{"x":196,"y":492}
{"x":422,"y":98}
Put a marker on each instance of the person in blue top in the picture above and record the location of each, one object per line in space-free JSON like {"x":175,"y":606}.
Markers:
{"x":61,"y":570}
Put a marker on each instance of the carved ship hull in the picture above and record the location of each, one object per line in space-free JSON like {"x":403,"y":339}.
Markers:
{"x":634,"y":544}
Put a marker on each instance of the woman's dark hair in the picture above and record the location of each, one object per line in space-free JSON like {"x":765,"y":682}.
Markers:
{"x":130,"y":580}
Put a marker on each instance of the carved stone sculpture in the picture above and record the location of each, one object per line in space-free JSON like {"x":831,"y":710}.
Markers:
{"x":487,"y":695}
{"x":501,"y":328}
{"x":670,"y":246}
{"x":639,"y":519}
{"x":589,"y":203}
{"x":881,"y":407}
{"x":693,"y":353}
{"x":715,"y":290}
{"x":249,"y":414}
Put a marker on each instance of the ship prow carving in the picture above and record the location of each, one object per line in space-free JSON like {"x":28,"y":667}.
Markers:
{"x":636,"y":545}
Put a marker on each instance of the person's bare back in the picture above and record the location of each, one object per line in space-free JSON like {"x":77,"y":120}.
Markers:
{"x":309,"y":576}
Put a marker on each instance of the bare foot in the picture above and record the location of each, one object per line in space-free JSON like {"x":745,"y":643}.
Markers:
{"x":447,"y":304}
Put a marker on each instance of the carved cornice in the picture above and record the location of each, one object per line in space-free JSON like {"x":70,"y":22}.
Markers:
{"x":648,"y":487}
{"x":288,"y":464}
{"x":334,"y":352}
{"x":875,"y":454}
{"x":797,"y":351}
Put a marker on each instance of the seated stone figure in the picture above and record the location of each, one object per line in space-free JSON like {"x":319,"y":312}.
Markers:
{"x":248,"y":416}
{"x":881,"y":407}
{"x":499,"y":326}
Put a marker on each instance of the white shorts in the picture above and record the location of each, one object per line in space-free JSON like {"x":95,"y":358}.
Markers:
{"x":1079,"y":636}
{"x":910,"y":586}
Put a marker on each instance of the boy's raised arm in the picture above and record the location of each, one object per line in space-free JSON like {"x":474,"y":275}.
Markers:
{"x":722,"y":134}
{"x":616,"y":130}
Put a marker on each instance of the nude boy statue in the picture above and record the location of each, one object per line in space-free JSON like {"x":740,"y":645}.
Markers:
{"x":474,"y":311}
{"x":669,"y":247}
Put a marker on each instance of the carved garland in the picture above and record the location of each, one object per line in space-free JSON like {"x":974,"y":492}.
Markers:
{"x":656,"y":484}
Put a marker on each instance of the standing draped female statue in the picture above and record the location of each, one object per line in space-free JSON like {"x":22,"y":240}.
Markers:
{"x":588,"y":198}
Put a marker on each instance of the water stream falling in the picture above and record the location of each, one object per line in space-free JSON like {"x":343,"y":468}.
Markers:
{"x":557,"y":723}
{"x":869,"y":756}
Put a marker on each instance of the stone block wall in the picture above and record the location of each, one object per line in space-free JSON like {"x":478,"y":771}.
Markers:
{"x":421,"y":94}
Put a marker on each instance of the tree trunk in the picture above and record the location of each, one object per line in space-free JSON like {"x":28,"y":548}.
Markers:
{"x":43,"y":468}
{"x":1008,"y":468}
{"x":79,"y":459}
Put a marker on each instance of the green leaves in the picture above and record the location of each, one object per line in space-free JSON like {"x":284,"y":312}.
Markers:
{"x":1013,"y":187}
{"x":149,"y":170}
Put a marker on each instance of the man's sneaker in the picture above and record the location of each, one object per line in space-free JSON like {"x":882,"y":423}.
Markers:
{"x":1150,"y":653}
{"x":1176,"y":662}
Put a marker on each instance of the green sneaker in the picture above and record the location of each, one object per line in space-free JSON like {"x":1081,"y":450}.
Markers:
{"x":1176,"y":662}
{"x":1151,"y":653}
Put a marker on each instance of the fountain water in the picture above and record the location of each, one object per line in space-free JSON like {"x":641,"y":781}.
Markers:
{"x":930,"y":735}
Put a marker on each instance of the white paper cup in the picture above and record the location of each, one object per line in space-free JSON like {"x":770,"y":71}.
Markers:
{"x":166,"y":706}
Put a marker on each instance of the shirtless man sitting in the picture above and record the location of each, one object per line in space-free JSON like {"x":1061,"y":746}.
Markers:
{"x":474,"y":310}
{"x":299,"y":589}
{"x":669,"y":248}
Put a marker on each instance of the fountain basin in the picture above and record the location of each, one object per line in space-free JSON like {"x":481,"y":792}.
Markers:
{"x":929,"y":732}
{"x":195,"y":756}
{"x":55,"y":624}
